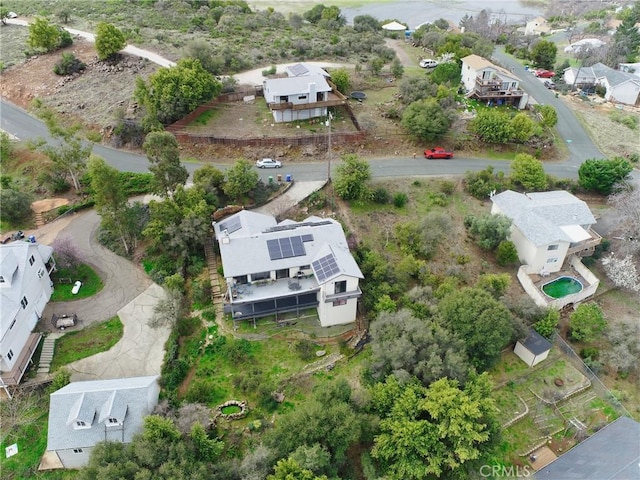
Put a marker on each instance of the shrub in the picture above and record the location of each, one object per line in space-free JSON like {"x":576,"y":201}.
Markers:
{"x":202,"y":390}
{"x":587,"y":322}
{"x":380,"y":195}
{"x":68,"y":65}
{"x":590,"y":352}
{"x":507,"y":254}
{"x":488,"y":230}
{"x":305,"y":350}
{"x":400,"y":199}
{"x":447,"y":187}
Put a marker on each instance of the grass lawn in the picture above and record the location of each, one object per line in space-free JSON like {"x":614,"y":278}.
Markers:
{"x":91,"y":283}
{"x":89,"y":341}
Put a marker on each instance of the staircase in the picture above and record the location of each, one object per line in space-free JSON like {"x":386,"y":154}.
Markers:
{"x":46,"y":355}
{"x":39,"y":219}
{"x":216,"y":289}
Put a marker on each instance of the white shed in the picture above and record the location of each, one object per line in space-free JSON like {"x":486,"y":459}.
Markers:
{"x":533,"y":349}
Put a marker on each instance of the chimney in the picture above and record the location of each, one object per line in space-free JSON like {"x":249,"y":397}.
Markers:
{"x":312,"y":93}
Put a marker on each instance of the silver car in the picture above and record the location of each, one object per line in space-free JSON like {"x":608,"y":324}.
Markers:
{"x":268,"y":163}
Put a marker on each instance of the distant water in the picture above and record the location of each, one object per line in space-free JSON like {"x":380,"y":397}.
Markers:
{"x":416,"y":12}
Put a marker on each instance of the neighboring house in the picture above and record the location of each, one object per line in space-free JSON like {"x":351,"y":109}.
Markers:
{"x":533,"y":349}
{"x":620,"y":86}
{"x":298,"y":98}
{"x":272,"y":268}
{"x":612,"y":453}
{"x":550,"y":230}
{"x":25,"y":289}
{"x":82,"y":414}
{"x":537,"y":26}
{"x":490,"y":83}
{"x":633,"y":68}
{"x":586,"y":45}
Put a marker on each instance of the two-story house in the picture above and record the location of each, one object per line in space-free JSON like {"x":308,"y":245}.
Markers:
{"x":620,"y":87}
{"x":25,"y":289}
{"x":490,"y":83}
{"x":272,"y":268}
{"x":81,"y":414}
{"x":297,"y":98}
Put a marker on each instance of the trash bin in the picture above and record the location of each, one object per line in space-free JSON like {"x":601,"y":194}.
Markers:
{"x":279,"y":177}
{"x":270,"y":179}
{"x":288,"y":177}
{"x":32,"y":238}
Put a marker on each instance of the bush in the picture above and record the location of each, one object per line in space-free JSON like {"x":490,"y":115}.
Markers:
{"x":16,"y":205}
{"x":590,"y":352}
{"x":507,"y":254}
{"x":587,"y":322}
{"x":380,"y":196}
{"x":202,"y":390}
{"x":68,"y":65}
{"x":488,"y":230}
{"x":306,"y":350}
{"x":400,"y":199}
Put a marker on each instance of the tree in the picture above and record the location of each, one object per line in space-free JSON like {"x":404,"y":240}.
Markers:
{"x":290,"y":469}
{"x":163,"y":154}
{"x":528,"y":172}
{"x":241,"y":178}
{"x":587,"y":322}
{"x":211,"y":181}
{"x":405,"y":346}
{"x":507,"y":253}
{"x":173,"y":92}
{"x":413,"y":89}
{"x":549,"y":115}
{"x":522,"y":127}
{"x":435,"y":432}
{"x":600,"y":175}
{"x":67,"y":253}
{"x":68,"y":65}
{"x":547,"y":325}
{"x":484,"y":324}
{"x":341,"y":79}
{"x":352,"y":176}
{"x":365,"y":23}
{"x":625,"y":348}
{"x":489,"y":230}
{"x":109,"y":40}
{"x":204,"y":52}
{"x":493,"y":126}
{"x":622,"y":271}
{"x":494,"y":283}
{"x":70,"y":156}
{"x":444,"y":73}
{"x":396,"y":68}
{"x":16,"y":204}
{"x":426,"y":119}
{"x":43,"y":36}
{"x":6,"y":147}
{"x":543,"y":54}
{"x":626,"y":203}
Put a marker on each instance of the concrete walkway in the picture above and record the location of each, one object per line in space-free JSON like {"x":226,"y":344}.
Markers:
{"x":289,"y":199}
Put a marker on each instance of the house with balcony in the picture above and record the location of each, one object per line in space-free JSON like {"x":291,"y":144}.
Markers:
{"x":25,"y":289}
{"x":620,"y":86}
{"x":82,"y":414}
{"x":551,"y":231}
{"x":490,"y":83}
{"x":273,"y":268}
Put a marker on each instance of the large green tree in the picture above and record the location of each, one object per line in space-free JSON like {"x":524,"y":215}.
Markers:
{"x":489,"y":230}
{"x":426,"y":119}
{"x":434,"y":432}
{"x":600,"y":175}
{"x":528,"y":172}
{"x":109,"y":40}
{"x":493,"y":126}
{"x":485,"y":325}
{"x":171,"y":93}
{"x":240,"y":179}
{"x":352,"y":177}
{"x":543,"y":54}
{"x":587,"y":322}
{"x":163,"y":154}
{"x":448,"y":72}
{"x":43,"y":35}
{"x":406,"y":346}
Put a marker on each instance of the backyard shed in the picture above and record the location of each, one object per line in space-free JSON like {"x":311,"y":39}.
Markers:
{"x":533,"y":349}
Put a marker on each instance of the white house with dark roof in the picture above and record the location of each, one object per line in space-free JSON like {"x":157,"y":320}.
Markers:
{"x":273,"y":268}
{"x":82,"y":414}
{"x":551,"y":231}
{"x":620,"y":87}
{"x":490,"y":83}
{"x":25,"y":289}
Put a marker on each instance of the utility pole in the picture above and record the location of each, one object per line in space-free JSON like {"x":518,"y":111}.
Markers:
{"x":328,"y":123}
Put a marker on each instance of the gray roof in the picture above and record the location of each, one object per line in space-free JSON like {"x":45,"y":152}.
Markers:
{"x":612,"y":453}
{"x":614,"y":77}
{"x":128,"y":400}
{"x":296,"y":85}
{"x":540,"y":216}
{"x":535,"y":343}
{"x":245,"y":251}
{"x":302,"y":69}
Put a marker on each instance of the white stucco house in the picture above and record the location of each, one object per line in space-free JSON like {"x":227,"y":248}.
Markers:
{"x":297,"y":98}
{"x":82,"y":414}
{"x":25,"y":289}
{"x":533,"y":349}
{"x":620,"y":86}
{"x":490,"y":83}
{"x":551,"y":231}
{"x":537,"y":26}
{"x":272,"y":268}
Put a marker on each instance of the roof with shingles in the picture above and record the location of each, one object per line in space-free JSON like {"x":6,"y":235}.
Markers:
{"x":480,"y":63}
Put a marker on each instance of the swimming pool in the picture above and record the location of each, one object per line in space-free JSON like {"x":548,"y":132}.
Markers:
{"x":561,"y":287}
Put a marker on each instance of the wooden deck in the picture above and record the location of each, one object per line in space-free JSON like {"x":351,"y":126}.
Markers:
{"x":20,"y":367}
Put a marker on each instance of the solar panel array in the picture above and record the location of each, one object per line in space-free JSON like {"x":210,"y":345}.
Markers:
{"x":298,"y":69}
{"x":286,"y":247}
{"x":325,"y":267}
{"x":307,"y":237}
{"x":231,"y":225}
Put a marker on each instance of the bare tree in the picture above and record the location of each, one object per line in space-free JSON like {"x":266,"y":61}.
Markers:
{"x":67,"y":252}
{"x":627,"y":203}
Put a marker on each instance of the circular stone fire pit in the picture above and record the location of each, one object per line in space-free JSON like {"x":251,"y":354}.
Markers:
{"x":558,"y":382}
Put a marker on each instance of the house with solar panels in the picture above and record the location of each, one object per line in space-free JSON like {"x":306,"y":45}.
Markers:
{"x":305,"y":93}
{"x":272,"y":268}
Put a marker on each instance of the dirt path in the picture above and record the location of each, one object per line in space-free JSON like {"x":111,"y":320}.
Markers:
{"x":402,"y":55}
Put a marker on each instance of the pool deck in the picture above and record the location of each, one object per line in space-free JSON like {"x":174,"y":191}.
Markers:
{"x":567,"y":271}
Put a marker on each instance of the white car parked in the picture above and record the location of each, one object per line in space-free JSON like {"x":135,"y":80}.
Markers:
{"x":268,"y":163}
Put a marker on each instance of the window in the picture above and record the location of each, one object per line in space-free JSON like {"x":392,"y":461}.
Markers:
{"x":10,"y":354}
{"x":553,"y":260}
{"x":77,"y":450}
{"x":302,"y":97}
{"x":24,"y":302}
{"x":260,"y":276}
{"x":305,"y":267}
{"x":12,"y":324}
{"x":113,"y":421}
{"x":241,"y":280}
{"x":553,"y":247}
{"x":81,"y":424}
{"x":32,"y":260}
{"x":340,"y":287}
{"x":342,"y":301}
{"x":1,"y":279}
{"x":284,"y":273}
{"x":40,"y":272}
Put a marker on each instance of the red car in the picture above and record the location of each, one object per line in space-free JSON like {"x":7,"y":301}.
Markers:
{"x":544,"y":73}
{"x":437,"y":152}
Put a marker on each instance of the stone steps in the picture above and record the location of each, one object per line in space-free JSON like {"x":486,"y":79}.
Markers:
{"x":46,"y":355}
